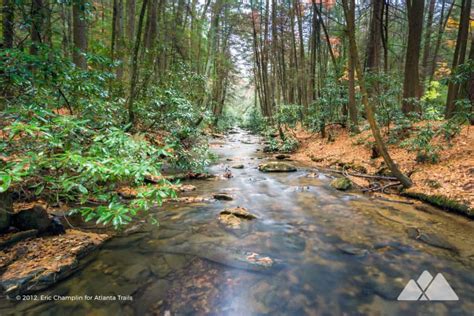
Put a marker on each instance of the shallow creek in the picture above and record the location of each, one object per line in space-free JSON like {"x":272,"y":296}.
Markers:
{"x":335,"y":253}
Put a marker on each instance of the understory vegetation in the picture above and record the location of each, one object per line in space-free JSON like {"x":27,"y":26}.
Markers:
{"x":66,"y":136}
{"x":99,"y":96}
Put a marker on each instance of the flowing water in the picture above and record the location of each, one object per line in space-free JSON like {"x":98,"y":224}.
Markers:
{"x":335,"y":253}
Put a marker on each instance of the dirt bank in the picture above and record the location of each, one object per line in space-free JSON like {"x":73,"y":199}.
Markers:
{"x":448,"y":183}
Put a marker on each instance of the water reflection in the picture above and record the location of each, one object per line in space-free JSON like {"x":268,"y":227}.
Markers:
{"x":336,"y":253}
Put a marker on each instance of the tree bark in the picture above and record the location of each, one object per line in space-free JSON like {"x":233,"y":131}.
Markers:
{"x":354,"y":124}
{"x":8,"y":14}
{"x":130,"y":19}
{"x":427,"y":41}
{"x":459,"y":56}
{"x":469,"y":86}
{"x":79,"y":34}
{"x":134,"y":77}
{"x":384,"y":34}
{"x":411,"y":83}
{"x":150,"y":36}
{"x":37,"y":18}
{"x":349,"y":12}
{"x":374,"y":43}
{"x":442,"y":25}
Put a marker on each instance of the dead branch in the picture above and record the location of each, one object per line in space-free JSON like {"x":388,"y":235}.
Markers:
{"x":360,"y":175}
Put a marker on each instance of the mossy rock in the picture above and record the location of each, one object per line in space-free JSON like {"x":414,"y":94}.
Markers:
{"x":276,"y":166}
{"x":6,"y":208}
{"x":442,"y":202}
{"x":341,"y":184}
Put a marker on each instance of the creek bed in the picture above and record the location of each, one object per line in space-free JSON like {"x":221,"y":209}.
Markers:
{"x":311,"y":250}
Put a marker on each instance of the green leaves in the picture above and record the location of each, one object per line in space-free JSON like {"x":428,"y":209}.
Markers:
{"x":5,"y":181}
{"x":65,"y":132}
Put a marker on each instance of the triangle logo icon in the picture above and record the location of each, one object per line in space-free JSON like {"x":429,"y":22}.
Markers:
{"x":427,"y":288}
{"x":411,"y":292}
{"x":440,"y":290}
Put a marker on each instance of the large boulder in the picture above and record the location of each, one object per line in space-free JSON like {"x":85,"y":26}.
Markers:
{"x":276,"y":166}
{"x":342,"y":184}
{"x":6,"y":208}
{"x":35,"y":217}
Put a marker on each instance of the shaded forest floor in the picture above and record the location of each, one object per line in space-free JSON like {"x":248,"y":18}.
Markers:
{"x":451,"y":177}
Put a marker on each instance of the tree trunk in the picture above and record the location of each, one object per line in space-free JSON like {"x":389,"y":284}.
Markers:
{"x":469,"y":86}
{"x":8,"y":13}
{"x":427,"y":41}
{"x":37,"y":17}
{"x":459,"y":55}
{"x":79,"y":34}
{"x":411,"y":83}
{"x":384,"y":34}
{"x":349,"y":13}
{"x":302,"y":72}
{"x":130,"y":19}
{"x":442,"y":25}
{"x":354,"y":124}
{"x":150,"y":36}
{"x":374,"y":43}
{"x":134,"y":77}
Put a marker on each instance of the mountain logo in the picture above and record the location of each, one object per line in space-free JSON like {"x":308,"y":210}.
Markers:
{"x":427,"y":288}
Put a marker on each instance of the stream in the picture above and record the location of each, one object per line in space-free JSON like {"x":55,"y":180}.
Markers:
{"x":334,"y":252}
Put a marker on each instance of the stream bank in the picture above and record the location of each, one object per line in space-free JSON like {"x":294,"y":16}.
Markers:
{"x":447,"y":184}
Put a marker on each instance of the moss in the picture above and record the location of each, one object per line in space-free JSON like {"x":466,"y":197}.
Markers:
{"x":442,"y":202}
{"x":341,"y":184}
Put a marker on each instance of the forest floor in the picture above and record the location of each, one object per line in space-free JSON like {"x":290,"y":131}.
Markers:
{"x":451,"y":178}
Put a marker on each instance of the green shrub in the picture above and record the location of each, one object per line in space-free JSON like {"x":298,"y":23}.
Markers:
{"x":61,"y":158}
{"x":421,"y":143}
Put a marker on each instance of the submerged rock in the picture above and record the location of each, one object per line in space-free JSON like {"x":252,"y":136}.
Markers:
{"x":190,"y":199}
{"x":186,"y":188}
{"x":239,"y":212}
{"x":342,"y":184}
{"x":430,"y":239}
{"x":352,"y":250}
{"x":223,"y":196}
{"x":312,"y":175}
{"x":239,"y":166}
{"x":236,"y":258}
{"x":235,"y":218}
{"x":276,"y":166}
